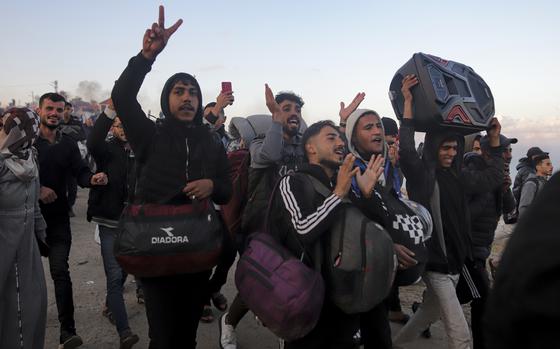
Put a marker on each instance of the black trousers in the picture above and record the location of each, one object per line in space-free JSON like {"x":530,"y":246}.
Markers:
{"x":72,"y":190}
{"x":227,"y":258}
{"x":394,"y":301}
{"x":59,"y":239}
{"x":480,"y":277}
{"x":173,"y":307}
{"x":335,"y":330}
{"x":375,"y":328}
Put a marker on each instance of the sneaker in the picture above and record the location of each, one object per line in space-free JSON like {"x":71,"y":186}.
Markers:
{"x":228,"y":338}
{"x":128,"y":340}
{"x":71,"y":342}
{"x":219,"y":301}
{"x":207,"y":315}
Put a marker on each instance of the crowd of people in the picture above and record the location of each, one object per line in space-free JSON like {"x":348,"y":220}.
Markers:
{"x":439,"y":203}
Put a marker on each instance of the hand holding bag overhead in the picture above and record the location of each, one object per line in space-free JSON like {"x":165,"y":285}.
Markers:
{"x":158,"y":240}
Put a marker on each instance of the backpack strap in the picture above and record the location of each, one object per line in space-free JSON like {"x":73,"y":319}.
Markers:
{"x":321,"y":188}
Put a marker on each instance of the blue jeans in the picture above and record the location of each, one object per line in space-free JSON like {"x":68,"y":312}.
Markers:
{"x":115,"y":279}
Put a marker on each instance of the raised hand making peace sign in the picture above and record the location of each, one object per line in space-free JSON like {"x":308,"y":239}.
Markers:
{"x":156,"y":38}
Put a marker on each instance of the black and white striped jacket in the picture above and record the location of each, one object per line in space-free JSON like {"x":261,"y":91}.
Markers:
{"x":300,"y":212}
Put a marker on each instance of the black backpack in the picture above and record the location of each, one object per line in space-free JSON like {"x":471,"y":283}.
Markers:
{"x":360,"y":261}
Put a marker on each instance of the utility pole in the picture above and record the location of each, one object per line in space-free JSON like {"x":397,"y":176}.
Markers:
{"x":55,"y":85}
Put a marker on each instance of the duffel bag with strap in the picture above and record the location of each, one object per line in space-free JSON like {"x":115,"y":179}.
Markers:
{"x":360,"y":259}
{"x":284,"y":293}
{"x":158,"y":240}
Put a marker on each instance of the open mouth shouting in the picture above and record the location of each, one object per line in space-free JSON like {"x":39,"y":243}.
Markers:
{"x":293,"y":121}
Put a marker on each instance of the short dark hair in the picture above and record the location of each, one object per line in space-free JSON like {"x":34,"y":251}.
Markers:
{"x":289,"y":96}
{"x":540,"y":158}
{"x":55,"y":97}
{"x":67,"y":104}
{"x":314,"y":130}
{"x":477,"y":138}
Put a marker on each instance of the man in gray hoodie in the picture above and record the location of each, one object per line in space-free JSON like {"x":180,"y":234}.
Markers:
{"x":273,"y":155}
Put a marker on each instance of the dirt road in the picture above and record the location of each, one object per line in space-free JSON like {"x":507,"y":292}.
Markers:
{"x":89,"y":292}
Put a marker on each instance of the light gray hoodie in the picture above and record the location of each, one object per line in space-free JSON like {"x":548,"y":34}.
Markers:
{"x":351,"y":124}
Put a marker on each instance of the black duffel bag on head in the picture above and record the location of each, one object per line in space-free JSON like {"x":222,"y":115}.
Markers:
{"x":158,"y":240}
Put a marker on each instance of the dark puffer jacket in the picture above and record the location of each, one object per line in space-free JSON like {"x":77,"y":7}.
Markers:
{"x":117,"y":160}
{"x":485,"y":209}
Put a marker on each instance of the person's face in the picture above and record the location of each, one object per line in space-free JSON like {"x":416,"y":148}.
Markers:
{"x":51,"y":113}
{"x":326,"y":148}
{"x":545,"y":168}
{"x":292,"y":120}
{"x":118,"y":130}
{"x":67,"y":112}
{"x":476,"y":147}
{"x":507,"y":155}
{"x":368,"y":135}
{"x":183,"y":101}
{"x":447,"y":152}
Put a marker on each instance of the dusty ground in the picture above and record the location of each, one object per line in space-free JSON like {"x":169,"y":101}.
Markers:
{"x":89,"y":291}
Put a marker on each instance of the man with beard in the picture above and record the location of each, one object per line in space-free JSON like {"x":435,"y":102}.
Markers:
{"x":59,"y":158}
{"x":272,"y":156}
{"x":301,"y":218}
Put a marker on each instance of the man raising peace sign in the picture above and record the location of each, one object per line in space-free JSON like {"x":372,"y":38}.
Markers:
{"x":181,"y":162}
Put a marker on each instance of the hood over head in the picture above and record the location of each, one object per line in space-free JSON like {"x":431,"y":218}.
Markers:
{"x":184,"y":77}
{"x":351,"y":124}
{"x":432,"y":142}
{"x":469,"y":141}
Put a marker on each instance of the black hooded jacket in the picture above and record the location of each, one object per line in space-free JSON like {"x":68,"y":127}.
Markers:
{"x":450,"y":244}
{"x":485,"y":209}
{"x":117,"y":160}
{"x":173,"y":152}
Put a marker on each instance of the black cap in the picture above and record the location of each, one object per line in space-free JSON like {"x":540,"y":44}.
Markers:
{"x":534,"y":151}
{"x":504,"y":141}
{"x":541,"y":156}
{"x":390,"y":126}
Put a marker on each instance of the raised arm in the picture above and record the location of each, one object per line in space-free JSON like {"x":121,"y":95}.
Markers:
{"x":138,"y":128}
{"x":491,"y":178}
{"x":96,"y":144}
{"x":268,"y":150}
{"x":410,"y":161}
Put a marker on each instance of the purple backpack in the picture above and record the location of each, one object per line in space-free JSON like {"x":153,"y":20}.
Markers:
{"x":284,"y":293}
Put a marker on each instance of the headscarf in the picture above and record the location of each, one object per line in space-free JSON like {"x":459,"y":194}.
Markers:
{"x":19,"y":127}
